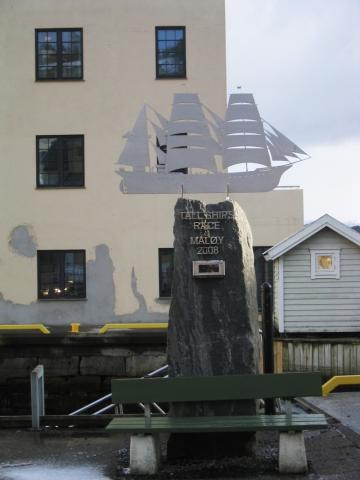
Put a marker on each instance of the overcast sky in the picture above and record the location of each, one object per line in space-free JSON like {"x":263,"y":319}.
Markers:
{"x":301,"y":59}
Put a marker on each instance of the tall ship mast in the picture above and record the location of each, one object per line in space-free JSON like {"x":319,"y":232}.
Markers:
{"x":195,"y":148}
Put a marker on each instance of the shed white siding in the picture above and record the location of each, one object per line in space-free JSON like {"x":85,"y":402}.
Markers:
{"x":322,"y":304}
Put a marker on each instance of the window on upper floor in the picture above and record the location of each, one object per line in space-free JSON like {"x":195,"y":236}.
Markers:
{"x":61,"y":274}
{"x":170,"y":52}
{"x":60,"y":161}
{"x":59,"y":54}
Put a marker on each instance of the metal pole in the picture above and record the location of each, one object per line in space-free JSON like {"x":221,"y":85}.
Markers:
{"x":37,"y":396}
{"x":267,"y":338}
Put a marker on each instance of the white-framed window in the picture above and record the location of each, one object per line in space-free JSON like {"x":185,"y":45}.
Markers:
{"x":325,"y":263}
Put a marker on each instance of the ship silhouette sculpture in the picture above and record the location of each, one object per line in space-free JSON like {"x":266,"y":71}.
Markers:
{"x":195,"y":147}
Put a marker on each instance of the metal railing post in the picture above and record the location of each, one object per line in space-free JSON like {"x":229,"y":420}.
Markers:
{"x":37,"y":396}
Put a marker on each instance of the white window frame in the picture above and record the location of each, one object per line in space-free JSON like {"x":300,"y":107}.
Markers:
{"x":335,"y":273}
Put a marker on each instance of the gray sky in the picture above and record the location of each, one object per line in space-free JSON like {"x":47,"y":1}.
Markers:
{"x":301,"y":59}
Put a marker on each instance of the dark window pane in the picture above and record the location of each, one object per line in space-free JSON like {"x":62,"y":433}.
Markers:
{"x":170,"y":44}
{"x":66,"y":36}
{"x":73,"y":162}
{"x":52,"y":59}
{"x":51,"y":72}
{"x":166,"y":266}
{"x":60,"y":161}
{"x":76,"y":72}
{"x":74,"y":279}
{"x":48,"y":165}
{"x":161,"y":34}
{"x":42,"y":72}
{"x":66,"y":48}
{"x":61,"y":274}
{"x":49,"y":275}
{"x":76,"y":36}
{"x":51,"y":37}
{"x":66,"y":72}
{"x":170,"y":34}
{"x":59,"y":51}
{"x":52,"y":180}
{"x":41,"y":36}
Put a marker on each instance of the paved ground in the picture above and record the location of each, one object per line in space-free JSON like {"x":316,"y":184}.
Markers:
{"x":344,"y":406}
{"x":334,"y":454}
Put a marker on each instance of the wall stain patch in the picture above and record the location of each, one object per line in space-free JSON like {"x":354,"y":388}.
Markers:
{"x":22,"y":241}
{"x":98,"y":309}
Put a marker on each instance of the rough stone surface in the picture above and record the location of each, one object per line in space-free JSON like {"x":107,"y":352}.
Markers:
{"x":139,"y":365}
{"x":102,"y":366}
{"x":17,"y":367}
{"x":64,"y":366}
{"x":213,"y":327}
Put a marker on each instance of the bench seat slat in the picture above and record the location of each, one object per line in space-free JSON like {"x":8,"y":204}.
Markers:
{"x":219,"y":424}
{"x":216,"y":388}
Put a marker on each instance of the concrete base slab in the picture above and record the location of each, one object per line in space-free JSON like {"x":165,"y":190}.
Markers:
{"x":292,"y":453}
{"x":144,"y":454}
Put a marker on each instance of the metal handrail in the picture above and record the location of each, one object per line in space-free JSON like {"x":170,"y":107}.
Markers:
{"x":92,"y":404}
{"x":154,"y":373}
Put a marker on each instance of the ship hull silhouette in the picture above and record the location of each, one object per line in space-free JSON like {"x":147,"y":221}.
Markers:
{"x":260,"y":180}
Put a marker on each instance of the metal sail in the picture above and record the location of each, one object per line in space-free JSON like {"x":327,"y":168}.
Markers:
{"x":160,"y":134}
{"x":244,"y":138}
{"x":136,"y":150}
{"x":189,"y":142}
{"x":276,"y":154}
{"x":241,"y":98}
{"x":186,"y":98}
{"x":284,"y":144}
{"x":198,"y":128}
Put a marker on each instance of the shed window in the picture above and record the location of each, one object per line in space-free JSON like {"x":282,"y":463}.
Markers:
{"x":325,"y":264}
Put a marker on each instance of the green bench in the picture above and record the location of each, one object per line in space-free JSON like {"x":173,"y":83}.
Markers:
{"x":144,"y":446}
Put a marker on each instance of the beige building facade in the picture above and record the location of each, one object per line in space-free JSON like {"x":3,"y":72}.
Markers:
{"x":94,"y":96}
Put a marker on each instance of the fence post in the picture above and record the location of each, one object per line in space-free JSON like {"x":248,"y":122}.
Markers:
{"x":37,"y":396}
{"x":267,"y":337}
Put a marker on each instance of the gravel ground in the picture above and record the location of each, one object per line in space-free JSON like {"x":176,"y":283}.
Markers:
{"x":333,"y":454}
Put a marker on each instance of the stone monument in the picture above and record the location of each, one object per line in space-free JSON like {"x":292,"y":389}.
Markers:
{"x":213,"y":324}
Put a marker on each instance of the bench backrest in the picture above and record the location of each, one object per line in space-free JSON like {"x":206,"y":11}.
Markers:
{"x":228,"y":387}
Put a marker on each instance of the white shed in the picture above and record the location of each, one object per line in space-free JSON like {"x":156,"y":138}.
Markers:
{"x":317,"y":279}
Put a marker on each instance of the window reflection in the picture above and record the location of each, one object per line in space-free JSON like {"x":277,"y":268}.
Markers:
{"x":60,"y":161}
{"x":170,"y":52}
{"x":61,"y":274}
{"x":59,"y":54}
{"x":166,"y":266}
